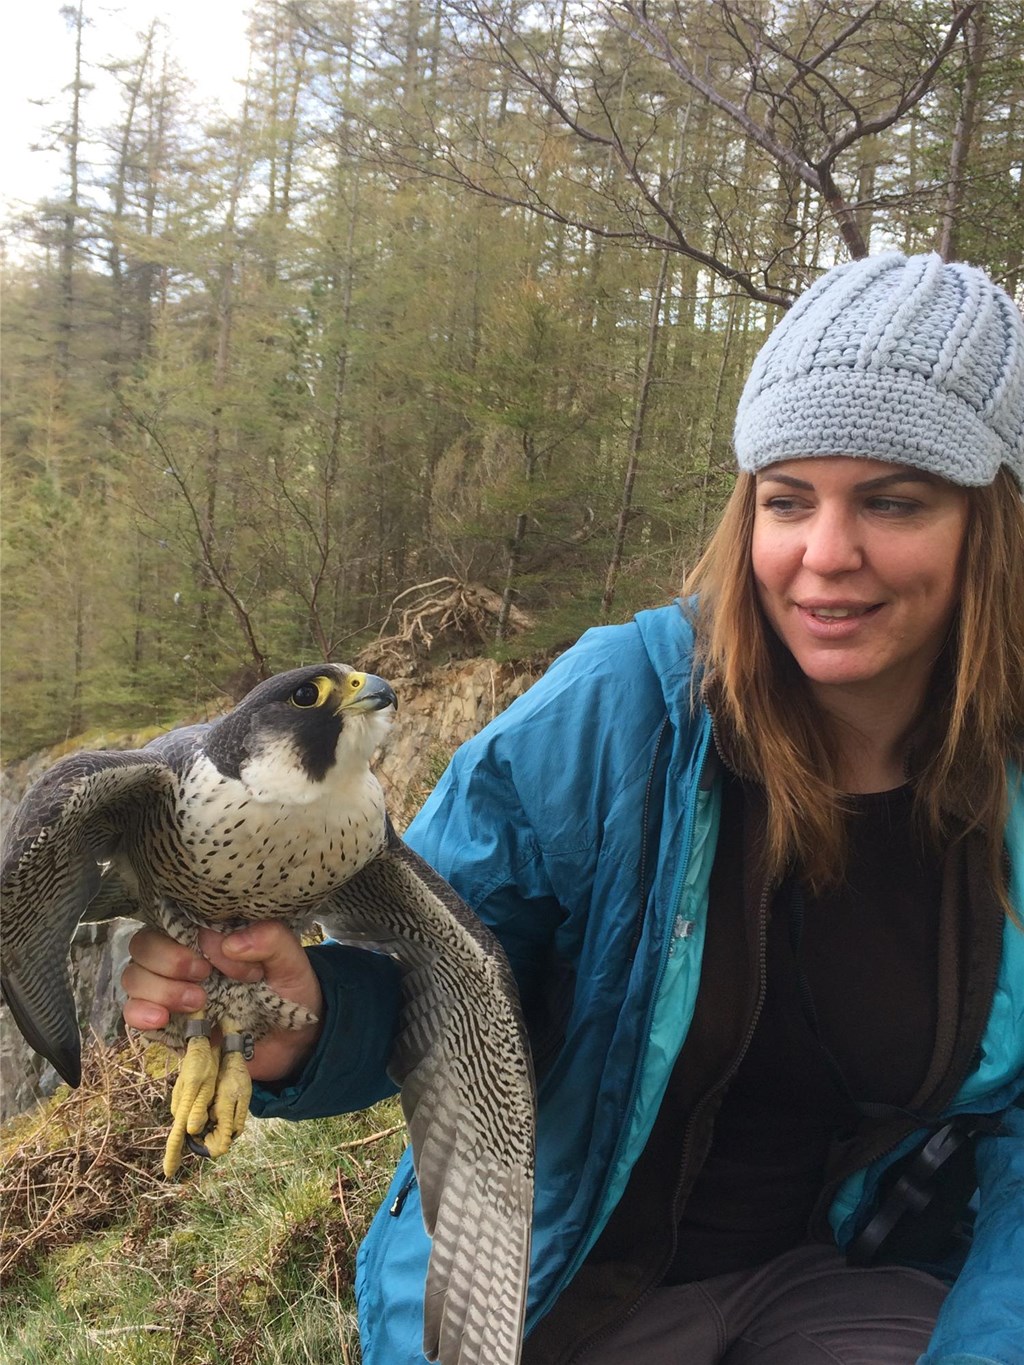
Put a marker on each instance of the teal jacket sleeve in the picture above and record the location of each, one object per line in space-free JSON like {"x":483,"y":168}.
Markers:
{"x":982,"y":1320}
{"x":961,"y":1359}
{"x":550,"y":797}
{"x":346,"y":1071}
{"x":475,"y":830}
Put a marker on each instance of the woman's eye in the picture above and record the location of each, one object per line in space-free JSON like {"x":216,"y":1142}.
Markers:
{"x":306,"y":695}
{"x":894,"y":507}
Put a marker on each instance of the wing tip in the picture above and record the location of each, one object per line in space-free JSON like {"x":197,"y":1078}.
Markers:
{"x":69,"y":1068}
{"x":64,"y":1054}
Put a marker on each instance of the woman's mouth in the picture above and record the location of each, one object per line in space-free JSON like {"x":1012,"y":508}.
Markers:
{"x":838,"y":611}
{"x":836,"y":620}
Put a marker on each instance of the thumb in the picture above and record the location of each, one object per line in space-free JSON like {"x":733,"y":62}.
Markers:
{"x":269,"y":950}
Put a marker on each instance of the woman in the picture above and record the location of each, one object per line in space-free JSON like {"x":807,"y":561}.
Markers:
{"x":758,"y":864}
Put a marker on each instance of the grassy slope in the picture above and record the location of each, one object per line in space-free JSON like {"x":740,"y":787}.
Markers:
{"x":248,"y":1260}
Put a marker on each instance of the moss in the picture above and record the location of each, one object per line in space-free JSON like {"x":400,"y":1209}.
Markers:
{"x":247,"y":1259}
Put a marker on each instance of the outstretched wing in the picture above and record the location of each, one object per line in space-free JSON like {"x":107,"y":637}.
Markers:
{"x":67,"y":825}
{"x":462,"y":1060}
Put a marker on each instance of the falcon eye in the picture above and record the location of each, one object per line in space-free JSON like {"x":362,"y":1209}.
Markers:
{"x":310,"y":694}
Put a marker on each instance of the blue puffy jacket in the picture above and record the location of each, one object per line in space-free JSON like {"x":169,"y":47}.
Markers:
{"x":577,"y":826}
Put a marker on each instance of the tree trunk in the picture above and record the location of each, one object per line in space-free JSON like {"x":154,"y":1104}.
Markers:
{"x":515,"y":548}
{"x":69,"y":221}
{"x":636,"y":436}
{"x":963,"y":134}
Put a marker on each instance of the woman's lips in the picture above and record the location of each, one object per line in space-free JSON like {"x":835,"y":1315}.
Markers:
{"x":836,"y":621}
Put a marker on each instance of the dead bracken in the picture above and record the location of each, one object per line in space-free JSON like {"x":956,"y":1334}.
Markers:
{"x":81,"y":1161}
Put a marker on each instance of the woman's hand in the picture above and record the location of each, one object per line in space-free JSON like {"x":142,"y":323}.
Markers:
{"x":165,"y":978}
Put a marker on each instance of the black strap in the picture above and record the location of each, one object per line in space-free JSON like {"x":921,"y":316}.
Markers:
{"x":920,"y":1211}
{"x":930,"y":1188}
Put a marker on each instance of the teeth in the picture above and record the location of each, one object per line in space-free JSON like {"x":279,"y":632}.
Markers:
{"x":834,"y":613}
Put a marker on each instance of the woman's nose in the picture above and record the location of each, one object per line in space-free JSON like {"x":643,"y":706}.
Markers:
{"x":833,"y":544}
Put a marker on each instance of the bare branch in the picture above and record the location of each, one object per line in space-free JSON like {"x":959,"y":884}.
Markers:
{"x":818,"y":173}
{"x":657,"y":43}
{"x":203,"y":538}
{"x":912,"y":96}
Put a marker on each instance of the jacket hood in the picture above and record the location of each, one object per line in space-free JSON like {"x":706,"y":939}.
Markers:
{"x":668,"y":637}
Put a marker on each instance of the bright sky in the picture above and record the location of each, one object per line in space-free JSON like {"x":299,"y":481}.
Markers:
{"x":37,"y":62}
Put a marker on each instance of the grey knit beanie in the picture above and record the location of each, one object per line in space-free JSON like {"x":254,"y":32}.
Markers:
{"x":898,"y":358}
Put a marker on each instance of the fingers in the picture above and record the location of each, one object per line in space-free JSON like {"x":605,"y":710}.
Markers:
{"x":269,"y":950}
{"x":157,"y":953}
{"x":285,"y":967}
{"x":165,"y":978}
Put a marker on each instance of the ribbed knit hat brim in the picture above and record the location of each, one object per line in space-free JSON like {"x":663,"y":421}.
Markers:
{"x":909,"y":360}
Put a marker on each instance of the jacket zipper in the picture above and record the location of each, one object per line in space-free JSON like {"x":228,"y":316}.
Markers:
{"x":691,"y":1125}
{"x":398,"y":1203}
{"x":574,"y":1264}
{"x":645,"y":825}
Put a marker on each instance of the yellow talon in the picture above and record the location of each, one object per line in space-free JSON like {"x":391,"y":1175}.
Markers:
{"x":231,"y":1103}
{"x":192,"y":1095}
{"x":213,"y":1088}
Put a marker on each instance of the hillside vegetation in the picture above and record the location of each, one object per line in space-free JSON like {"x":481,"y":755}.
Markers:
{"x":457,"y":307}
{"x":244,"y":1261}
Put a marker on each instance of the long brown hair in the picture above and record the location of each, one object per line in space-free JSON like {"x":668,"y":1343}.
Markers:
{"x":971,"y":725}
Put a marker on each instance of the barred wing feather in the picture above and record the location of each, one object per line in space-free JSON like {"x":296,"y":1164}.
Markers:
{"x":462,"y":1060}
{"x":60,"y":835}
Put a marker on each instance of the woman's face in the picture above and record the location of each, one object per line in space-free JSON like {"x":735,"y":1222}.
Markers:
{"x":857,"y":569}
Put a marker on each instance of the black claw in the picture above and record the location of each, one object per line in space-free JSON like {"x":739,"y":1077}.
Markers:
{"x":195,"y":1146}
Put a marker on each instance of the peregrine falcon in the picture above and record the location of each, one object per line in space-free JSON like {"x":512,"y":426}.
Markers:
{"x":273,"y":812}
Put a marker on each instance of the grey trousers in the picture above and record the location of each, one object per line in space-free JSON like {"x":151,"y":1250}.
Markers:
{"x":807,"y":1307}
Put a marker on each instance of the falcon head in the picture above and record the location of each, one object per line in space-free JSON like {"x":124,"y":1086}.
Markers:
{"x":293,"y":729}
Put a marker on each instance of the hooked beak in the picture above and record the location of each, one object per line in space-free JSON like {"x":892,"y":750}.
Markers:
{"x":366,"y":692}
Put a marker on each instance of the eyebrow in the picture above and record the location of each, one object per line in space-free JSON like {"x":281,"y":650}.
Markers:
{"x":867,"y":486}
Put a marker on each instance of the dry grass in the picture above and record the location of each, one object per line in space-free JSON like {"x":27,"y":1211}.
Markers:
{"x":71,"y":1167}
{"x":248,"y":1260}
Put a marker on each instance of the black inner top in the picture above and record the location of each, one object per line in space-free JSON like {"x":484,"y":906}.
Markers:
{"x":868,"y":958}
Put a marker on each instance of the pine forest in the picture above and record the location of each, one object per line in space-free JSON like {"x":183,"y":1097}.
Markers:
{"x":444,"y":330}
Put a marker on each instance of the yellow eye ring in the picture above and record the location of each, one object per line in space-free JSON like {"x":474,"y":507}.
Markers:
{"x":312,"y":693}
